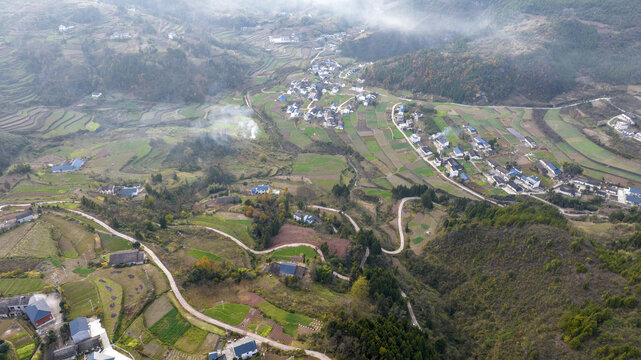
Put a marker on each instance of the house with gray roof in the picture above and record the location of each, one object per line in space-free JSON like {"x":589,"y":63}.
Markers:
{"x":79,"y":328}
{"x":127,"y":257}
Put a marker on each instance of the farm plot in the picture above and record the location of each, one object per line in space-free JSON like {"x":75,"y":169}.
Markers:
{"x":170,"y":327}
{"x":110,"y":293}
{"x":10,"y":287}
{"x":288,"y":320}
{"x":199,"y":254}
{"x":73,"y":233}
{"x":287,"y":253}
{"x":237,"y":228}
{"x":583,"y":145}
{"x":82,"y":298}
{"x":232,"y":314}
{"x":323,"y":170}
{"x":157,"y":310}
{"x":37,"y":242}
{"x":112,"y":243}
{"x":191,"y":340}
{"x":21,"y":337}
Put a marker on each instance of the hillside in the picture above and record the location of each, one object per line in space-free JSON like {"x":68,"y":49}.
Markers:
{"x":528,"y":289}
{"x":538,"y":51}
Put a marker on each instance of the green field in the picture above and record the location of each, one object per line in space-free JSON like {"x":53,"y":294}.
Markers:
{"x":10,"y":287}
{"x":264,"y":331}
{"x":236,"y":228}
{"x":25,"y":351}
{"x":191,"y":340}
{"x":84,"y":272}
{"x":316,"y":164}
{"x":288,"y":320}
{"x":232,"y":314}
{"x":80,"y":296}
{"x":170,"y":327}
{"x":286,"y":253}
{"x":382,"y":193}
{"x":112,"y":243}
{"x":199,"y":254}
{"x":425,"y":170}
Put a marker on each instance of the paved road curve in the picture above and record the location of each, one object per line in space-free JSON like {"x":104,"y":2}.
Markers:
{"x":189,"y":308}
{"x":401,"y":234}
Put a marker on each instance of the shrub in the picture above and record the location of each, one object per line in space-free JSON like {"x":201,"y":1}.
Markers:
{"x":580,"y":268}
{"x":630,"y":302}
{"x":614,"y":301}
{"x":553,"y":265}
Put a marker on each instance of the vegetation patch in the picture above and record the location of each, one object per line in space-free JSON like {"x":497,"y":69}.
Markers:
{"x":112,"y":243}
{"x":288,"y":320}
{"x":191,"y":340}
{"x":84,"y":272}
{"x":286,"y":253}
{"x":81,"y":297}
{"x":170,"y":327}
{"x":232,"y":314}
{"x":10,"y":287}
{"x":199,"y":254}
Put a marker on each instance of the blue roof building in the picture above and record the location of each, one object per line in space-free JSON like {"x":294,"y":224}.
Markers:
{"x":260,"y":189}
{"x":635,"y":191}
{"x":39,"y":313}
{"x":282,"y":98}
{"x":79,"y":329}
{"x":245,"y":348}
{"x":76,"y":164}
{"x":514,"y":172}
{"x":464,"y":177}
{"x":287,"y":268}
{"x":130,"y":192}
{"x":634,"y":200}
{"x":100,"y":356}
{"x":458,"y":152}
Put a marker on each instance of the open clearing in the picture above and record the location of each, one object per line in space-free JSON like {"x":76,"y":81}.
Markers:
{"x":232,"y":314}
{"x":170,"y":327}
{"x":82,"y":298}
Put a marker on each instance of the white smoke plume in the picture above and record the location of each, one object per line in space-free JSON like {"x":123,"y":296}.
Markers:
{"x":230,"y":121}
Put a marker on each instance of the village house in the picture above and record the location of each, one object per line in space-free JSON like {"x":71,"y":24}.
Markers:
{"x":13,"y":306}
{"x":67,"y":165}
{"x":79,"y":329}
{"x":96,"y":95}
{"x":244,"y":348}
{"x":498,"y":181}
{"x":24,"y":217}
{"x":304,"y":218}
{"x":493,"y":164}
{"x":127,"y":257}
{"x":440,"y":142}
{"x":415,"y":138}
{"x":287,"y":269}
{"x":514,"y":186}
{"x":470,"y":130}
{"x":38,"y":312}
{"x":458,"y":153}
{"x":260,"y":189}
{"x":481,"y":145}
{"x":453,"y":167}
{"x":529,"y":142}
{"x":425,"y":151}
{"x":474,"y":155}
{"x":567,"y":191}
{"x":584,"y":183}
{"x":546,"y":166}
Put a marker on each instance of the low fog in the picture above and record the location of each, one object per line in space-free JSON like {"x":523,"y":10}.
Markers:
{"x":229,"y":121}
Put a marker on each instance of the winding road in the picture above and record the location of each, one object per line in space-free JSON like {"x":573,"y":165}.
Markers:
{"x":183,"y":302}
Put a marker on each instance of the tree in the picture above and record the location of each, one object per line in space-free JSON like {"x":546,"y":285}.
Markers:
{"x":427,"y":199}
{"x":163,"y":222}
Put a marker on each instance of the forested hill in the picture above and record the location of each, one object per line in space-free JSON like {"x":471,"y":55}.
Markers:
{"x":533,"y":49}
{"x":464,"y":77}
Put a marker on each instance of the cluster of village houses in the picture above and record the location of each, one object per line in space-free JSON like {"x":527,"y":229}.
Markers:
{"x":124,"y":191}
{"x":625,"y":124}
{"x":509,"y":178}
{"x":88,"y":338}
{"x":17,"y":220}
